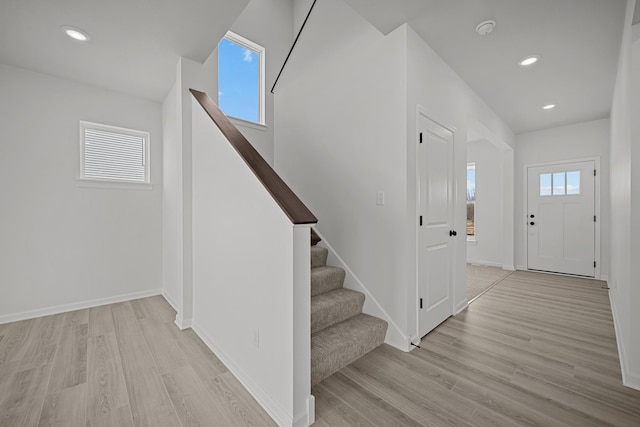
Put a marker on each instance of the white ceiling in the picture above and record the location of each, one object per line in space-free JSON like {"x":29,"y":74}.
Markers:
{"x":135,"y":44}
{"x":579,"y":41}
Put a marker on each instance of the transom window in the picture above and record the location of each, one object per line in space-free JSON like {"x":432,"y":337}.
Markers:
{"x":109,"y":153}
{"x":560,"y":184}
{"x":241,"y":78}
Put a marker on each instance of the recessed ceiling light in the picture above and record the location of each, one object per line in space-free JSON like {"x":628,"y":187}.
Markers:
{"x":76,"y":33}
{"x":549,"y":107}
{"x":529,"y":60}
{"x":486,"y":27}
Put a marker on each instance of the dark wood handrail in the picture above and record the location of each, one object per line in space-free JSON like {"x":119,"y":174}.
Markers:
{"x":292,"y":206}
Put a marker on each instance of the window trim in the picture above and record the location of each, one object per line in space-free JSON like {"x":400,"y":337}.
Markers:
{"x":114,"y":183}
{"x":260,"y":51}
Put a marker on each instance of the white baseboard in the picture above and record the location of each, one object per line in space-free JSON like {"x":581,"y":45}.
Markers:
{"x":183,"y":323}
{"x":268,"y":404}
{"x":484,"y":263}
{"x":521,"y":267}
{"x":460,"y":307}
{"x":171,"y":301}
{"x":604,"y":277}
{"x":509,"y":268}
{"x":48,"y":311}
{"x":629,"y":379}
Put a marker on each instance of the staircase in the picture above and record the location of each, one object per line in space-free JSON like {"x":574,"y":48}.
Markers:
{"x":340,"y":332}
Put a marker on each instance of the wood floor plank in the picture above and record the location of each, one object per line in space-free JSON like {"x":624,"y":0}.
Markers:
{"x":235,"y":402}
{"x":22,"y":403}
{"x":334,"y":411}
{"x":405,"y":391}
{"x":77,"y":317}
{"x":366,"y":403}
{"x":65,"y":408}
{"x":70,"y":363}
{"x":149,"y":401}
{"x":165,"y":351}
{"x":192,"y":399}
{"x":100,"y":320}
{"x":42,"y":344}
{"x":201,"y":358}
{"x":106,"y":388}
{"x":13,"y":345}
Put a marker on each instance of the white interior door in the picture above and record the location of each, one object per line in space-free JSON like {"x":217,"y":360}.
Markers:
{"x":435,"y":244}
{"x":561,"y":218}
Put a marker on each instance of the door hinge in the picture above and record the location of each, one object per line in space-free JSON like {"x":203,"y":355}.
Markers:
{"x":420,"y":137}
{"x":594,"y":264}
{"x":594,"y":218}
{"x":594,"y":172}
{"x":420,"y":303}
{"x":420,"y":220}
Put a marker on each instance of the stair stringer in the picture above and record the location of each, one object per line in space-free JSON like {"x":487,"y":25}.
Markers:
{"x":395,"y":336}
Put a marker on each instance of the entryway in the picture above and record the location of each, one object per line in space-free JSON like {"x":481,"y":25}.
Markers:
{"x":561,"y":218}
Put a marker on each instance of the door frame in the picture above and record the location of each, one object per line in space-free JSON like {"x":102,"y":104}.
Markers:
{"x":420,"y":110}
{"x":525,"y":209}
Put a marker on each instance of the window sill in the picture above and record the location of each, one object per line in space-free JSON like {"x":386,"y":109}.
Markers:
{"x":472,"y":242}
{"x":114,"y":185}
{"x":247,"y":124}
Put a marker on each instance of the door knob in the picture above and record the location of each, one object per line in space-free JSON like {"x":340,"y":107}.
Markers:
{"x":452,"y":233}
{"x":532,"y":223}
{"x":532,"y":216}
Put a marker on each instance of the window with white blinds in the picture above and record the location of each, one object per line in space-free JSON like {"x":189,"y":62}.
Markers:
{"x":109,"y":153}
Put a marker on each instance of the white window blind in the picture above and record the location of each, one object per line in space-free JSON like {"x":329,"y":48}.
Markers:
{"x":113,"y":154}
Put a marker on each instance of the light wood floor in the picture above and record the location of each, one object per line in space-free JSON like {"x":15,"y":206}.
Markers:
{"x":534,"y":350}
{"x":118,"y":365}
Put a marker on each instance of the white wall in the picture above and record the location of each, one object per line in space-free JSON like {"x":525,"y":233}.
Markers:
{"x":489,"y":213}
{"x":625,"y":197}
{"x":341,"y":138}
{"x":171,"y":193}
{"x":346,"y":130}
{"x":63,"y":246}
{"x":448,"y":100}
{"x":579,"y":141}
{"x":251,"y":283}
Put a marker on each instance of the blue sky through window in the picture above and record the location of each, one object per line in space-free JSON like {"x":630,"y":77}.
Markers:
{"x":238,"y":81}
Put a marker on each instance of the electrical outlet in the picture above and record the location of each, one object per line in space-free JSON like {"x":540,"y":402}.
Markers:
{"x":380,"y":198}
{"x":256,"y":338}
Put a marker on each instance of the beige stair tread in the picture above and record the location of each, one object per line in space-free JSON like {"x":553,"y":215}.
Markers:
{"x":343,"y":343}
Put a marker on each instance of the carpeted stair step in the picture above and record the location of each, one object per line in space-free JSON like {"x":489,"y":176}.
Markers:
{"x":326,"y":279}
{"x":334,"y":307}
{"x":335,"y":347}
{"x":318,"y":256}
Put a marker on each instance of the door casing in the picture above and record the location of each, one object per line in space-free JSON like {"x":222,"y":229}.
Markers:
{"x":525,"y":191}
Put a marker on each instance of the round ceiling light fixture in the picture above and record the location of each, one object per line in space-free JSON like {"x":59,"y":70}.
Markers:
{"x":528,"y":61}
{"x":549,"y":107}
{"x":486,"y":27}
{"x":76,"y":33}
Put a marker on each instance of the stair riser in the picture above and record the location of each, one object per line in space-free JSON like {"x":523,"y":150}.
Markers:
{"x":326,"y":280}
{"x":319,"y":257}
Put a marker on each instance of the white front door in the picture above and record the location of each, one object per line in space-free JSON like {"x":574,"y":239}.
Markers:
{"x":561,"y":218}
{"x":435,"y":244}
